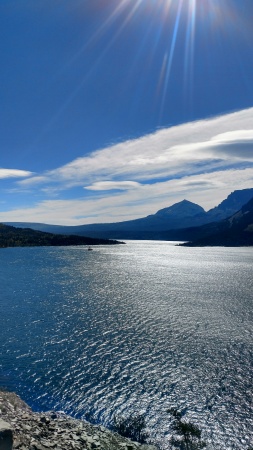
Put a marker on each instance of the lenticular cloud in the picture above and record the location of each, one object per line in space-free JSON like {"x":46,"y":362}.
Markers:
{"x":14,"y":173}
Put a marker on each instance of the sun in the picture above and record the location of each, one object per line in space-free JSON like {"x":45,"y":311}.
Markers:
{"x":176,"y":27}
{"x":186,"y":21}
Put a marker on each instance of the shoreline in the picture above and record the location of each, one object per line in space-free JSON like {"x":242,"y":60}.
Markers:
{"x":23,"y":429}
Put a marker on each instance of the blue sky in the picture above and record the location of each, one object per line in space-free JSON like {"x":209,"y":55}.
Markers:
{"x":113,"y":109}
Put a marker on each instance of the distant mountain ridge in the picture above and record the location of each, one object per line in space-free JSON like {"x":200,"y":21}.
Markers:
{"x":181,"y":214}
{"x":231,"y":204}
{"x":176,"y":222}
{"x":235,"y":231}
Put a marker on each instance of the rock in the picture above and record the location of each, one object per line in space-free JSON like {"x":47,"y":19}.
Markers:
{"x":26,"y":427}
{"x":55,"y":431}
{"x":6,"y":436}
{"x":45,"y":419}
{"x":53,"y":415}
{"x":37,"y":446}
{"x":126,"y":446}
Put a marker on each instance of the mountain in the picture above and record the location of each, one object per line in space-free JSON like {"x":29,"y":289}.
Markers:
{"x":231,"y":204}
{"x":25,"y":237}
{"x":177,"y":222}
{"x":181,"y":210}
{"x":235,"y":231}
{"x":181,"y":214}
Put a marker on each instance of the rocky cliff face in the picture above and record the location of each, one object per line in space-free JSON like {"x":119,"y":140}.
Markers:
{"x":21,"y":428}
{"x":236,"y":231}
{"x":230,"y":205}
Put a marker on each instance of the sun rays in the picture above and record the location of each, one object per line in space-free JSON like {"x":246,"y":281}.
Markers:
{"x":172,"y":24}
{"x":178,"y":21}
{"x":166,"y":47}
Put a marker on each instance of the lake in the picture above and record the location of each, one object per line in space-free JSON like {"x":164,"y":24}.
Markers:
{"x":141,"y":327}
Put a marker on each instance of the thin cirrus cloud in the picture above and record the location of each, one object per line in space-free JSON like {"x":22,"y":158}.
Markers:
{"x":201,"y":161}
{"x":207,"y":190}
{"x":113,"y":185}
{"x":14,"y":173}
{"x":172,"y":152}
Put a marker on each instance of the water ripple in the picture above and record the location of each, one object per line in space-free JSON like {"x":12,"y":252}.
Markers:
{"x":142,"y":327}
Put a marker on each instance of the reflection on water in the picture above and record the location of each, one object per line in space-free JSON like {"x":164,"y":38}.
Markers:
{"x":141,"y":327}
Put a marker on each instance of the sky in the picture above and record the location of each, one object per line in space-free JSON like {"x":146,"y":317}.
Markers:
{"x":113,"y":109}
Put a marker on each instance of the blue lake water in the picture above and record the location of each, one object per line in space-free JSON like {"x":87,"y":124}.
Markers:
{"x":141,"y":327}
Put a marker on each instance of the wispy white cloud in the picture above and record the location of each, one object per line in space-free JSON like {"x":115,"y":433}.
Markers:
{"x":34,"y":180}
{"x":202,"y":161}
{"x":166,"y":153}
{"x":13,"y":173}
{"x":207,"y":190}
{"x":113,"y":185}
{"x":233,"y":145}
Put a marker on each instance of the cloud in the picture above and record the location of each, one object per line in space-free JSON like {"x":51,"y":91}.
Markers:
{"x":170,"y":152}
{"x":35,"y":180}
{"x":14,"y":173}
{"x":235,"y":144}
{"x":206,"y":190}
{"x":202,"y":161}
{"x":111,"y":185}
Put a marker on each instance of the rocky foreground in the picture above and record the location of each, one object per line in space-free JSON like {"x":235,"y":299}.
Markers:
{"x":21,"y":428}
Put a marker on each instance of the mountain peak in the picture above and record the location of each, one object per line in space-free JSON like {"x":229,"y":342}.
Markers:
{"x":241,"y":197}
{"x":234,"y":231}
{"x":185,"y":208}
{"x":231,"y":204}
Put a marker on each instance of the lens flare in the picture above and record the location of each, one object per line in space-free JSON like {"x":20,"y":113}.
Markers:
{"x":184,"y":18}
{"x":172,"y":29}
